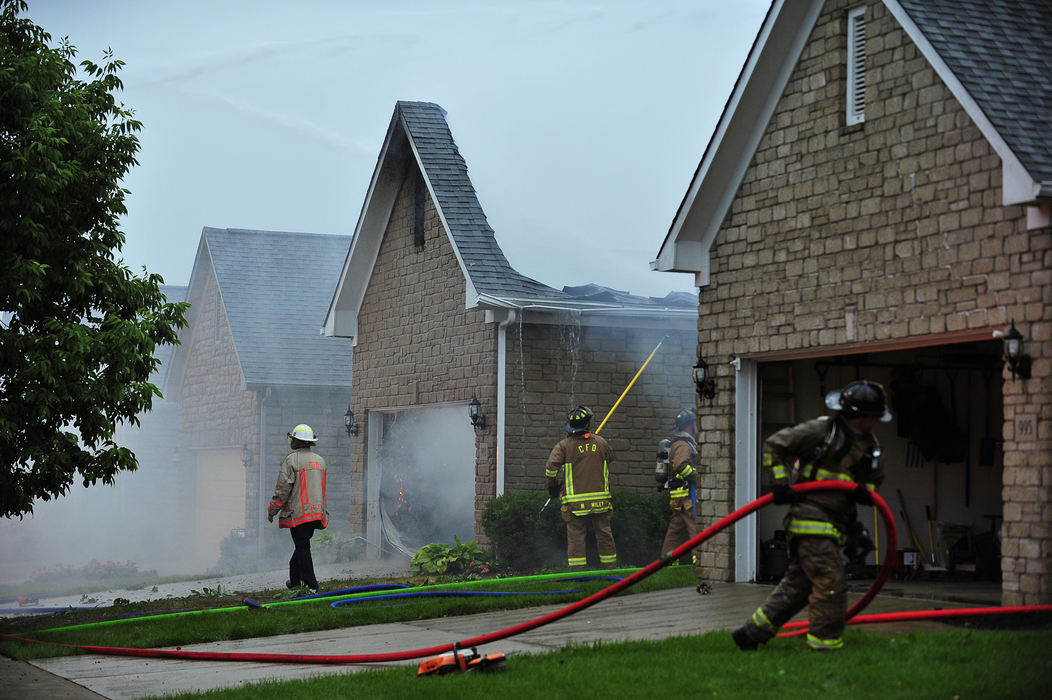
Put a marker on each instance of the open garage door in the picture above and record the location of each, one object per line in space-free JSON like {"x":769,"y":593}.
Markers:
{"x":942,"y":454}
{"x":422,"y":477}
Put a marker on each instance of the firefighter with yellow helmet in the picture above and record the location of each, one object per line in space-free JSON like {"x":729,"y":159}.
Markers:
{"x":677,"y":471}
{"x":820,"y":523}
{"x":299,"y":501}
{"x":578,"y":474}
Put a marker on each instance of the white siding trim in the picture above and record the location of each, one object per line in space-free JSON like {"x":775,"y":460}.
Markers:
{"x":745,"y":477}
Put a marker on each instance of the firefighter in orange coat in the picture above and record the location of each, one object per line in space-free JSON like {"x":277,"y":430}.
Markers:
{"x":578,"y":473}
{"x":677,"y":471}
{"x":820,"y":523}
{"x":299,"y":497}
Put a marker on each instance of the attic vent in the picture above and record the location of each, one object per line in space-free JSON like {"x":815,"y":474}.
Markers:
{"x":856,"y":66}
{"x":418,"y":212}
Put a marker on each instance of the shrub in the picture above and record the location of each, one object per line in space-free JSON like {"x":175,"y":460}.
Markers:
{"x":464,"y":558}
{"x":525,"y":538}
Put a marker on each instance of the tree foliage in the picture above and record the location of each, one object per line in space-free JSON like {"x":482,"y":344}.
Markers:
{"x":77,"y":328}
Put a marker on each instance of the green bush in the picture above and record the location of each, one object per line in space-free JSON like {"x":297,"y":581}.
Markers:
{"x":524,"y":538}
{"x":463,"y":558}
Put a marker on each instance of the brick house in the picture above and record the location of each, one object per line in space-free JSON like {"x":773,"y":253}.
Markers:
{"x":875,"y":203}
{"x":438,"y":317}
{"x":251,"y":365}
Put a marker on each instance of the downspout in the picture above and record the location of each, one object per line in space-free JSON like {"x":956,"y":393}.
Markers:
{"x":502,"y":378}
{"x":260,"y":462}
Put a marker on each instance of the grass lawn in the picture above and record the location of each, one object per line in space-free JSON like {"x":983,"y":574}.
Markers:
{"x":215,"y":618}
{"x":954,"y":662}
{"x":951,"y":663}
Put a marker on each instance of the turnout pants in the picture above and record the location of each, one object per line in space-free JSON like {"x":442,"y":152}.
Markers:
{"x":681,"y":527}
{"x":301,"y":565}
{"x":577,"y":530}
{"x":815,"y":577}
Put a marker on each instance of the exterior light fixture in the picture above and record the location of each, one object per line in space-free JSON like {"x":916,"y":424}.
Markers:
{"x":349,"y":423}
{"x":1018,"y":362}
{"x":246,"y":455}
{"x":478,"y":419}
{"x":705,"y":385}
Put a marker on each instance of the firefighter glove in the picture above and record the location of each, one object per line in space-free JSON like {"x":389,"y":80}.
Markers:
{"x":553,"y":489}
{"x":784,"y":495}
{"x":863,"y":496}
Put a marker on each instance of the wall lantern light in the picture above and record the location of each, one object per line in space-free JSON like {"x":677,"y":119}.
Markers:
{"x":349,"y":423}
{"x":246,"y":455}
{"x":478,"y":419}
{"x":705,"y":385}
{"x":1018,"y":362}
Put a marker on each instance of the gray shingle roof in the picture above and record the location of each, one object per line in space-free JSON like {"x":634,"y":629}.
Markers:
{"x":275,"y":287}
{"x":1001,"y":51}
{"x":447,"y":173}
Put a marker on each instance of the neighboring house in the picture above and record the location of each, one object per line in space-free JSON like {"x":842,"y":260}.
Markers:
{"x":438,"y":317}
{"x":875,"y":202}
{"x":251,"y":365}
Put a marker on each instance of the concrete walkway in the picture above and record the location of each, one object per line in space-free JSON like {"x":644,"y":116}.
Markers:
{"x":644,"y":616}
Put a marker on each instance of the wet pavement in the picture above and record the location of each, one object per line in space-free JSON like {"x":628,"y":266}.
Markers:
{"x":655,"y":616}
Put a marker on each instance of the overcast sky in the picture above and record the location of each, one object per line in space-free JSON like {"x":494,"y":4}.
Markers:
{"x":581,"y":122}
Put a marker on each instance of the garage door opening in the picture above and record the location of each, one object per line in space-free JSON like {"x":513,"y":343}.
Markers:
{"x":424,"y":466}
{"x":942,"y":457}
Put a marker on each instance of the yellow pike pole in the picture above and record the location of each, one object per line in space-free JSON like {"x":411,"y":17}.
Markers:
{"x":616,"y":403}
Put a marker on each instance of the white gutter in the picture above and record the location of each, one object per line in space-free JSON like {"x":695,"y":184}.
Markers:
{"x":502,"y":393}
{"x":582,"y":308}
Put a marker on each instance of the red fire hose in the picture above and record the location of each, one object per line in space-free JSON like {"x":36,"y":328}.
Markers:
{"x":596,"y":597}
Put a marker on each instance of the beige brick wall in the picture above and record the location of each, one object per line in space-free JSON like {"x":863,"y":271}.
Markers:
{"x":214,"y":411}
{"x":418,"y":345}
{"x":898,"y":223}
{"x":563,"y":366}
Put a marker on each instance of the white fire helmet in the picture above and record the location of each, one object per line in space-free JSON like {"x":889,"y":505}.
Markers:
{"x":303,"y":432}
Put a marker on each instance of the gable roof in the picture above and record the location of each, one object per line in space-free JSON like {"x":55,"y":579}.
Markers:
{"x":163,"y":352}
{"x":419,"y":136}
{"x":271,"y":287}
{"x":996,"y":58}
{"x":993,"y":55}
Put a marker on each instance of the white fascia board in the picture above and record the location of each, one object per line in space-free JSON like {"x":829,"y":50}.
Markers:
{"x":342,"y":319}
{"x":743,"y":123}
{"x":555,"y":313}
{"x":1017,"y":185}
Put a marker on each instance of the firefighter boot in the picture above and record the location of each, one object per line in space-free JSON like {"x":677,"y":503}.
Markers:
{"x":743,"y":640}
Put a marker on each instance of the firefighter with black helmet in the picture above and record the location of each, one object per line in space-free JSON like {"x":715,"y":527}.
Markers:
{"x":820,"y":523}
{"x":578,"y":474}
{"x":677,"y":471}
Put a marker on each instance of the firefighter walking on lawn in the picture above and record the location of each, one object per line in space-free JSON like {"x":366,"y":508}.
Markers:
{"x":819,"y":523}
{"x":299,"y":498}
{"x":677,"y":471}
{"x":578,"y":474}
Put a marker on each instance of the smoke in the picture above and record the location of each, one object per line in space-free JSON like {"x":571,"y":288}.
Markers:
{"x":426,"y":469}
{"x":140,"y":518}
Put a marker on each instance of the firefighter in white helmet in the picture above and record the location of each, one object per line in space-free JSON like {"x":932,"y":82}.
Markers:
{"x":299,"y":498}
